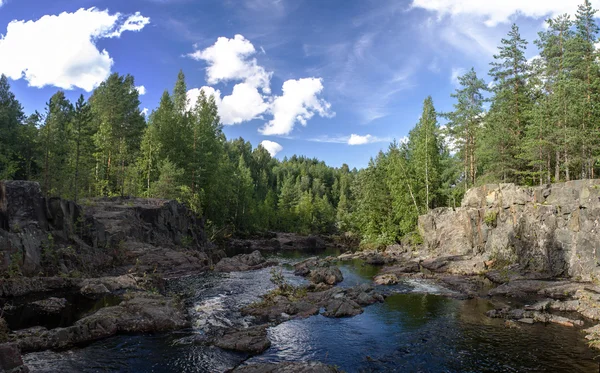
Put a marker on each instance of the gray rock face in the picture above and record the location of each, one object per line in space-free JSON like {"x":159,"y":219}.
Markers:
{"x":45,"y":236}
{"x":552,"y":230}
{"x":244,"y":262}
{"x":287,"y":367}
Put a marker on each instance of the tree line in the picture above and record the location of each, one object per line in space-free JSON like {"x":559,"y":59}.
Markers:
{"x":537,"y":121}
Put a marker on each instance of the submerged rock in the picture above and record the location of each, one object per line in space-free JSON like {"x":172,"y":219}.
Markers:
{"x":244,"y":262}
{"x":287,"y":367}
{"x":50,"y":305}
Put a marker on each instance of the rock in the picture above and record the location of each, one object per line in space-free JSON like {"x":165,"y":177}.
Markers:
{"x":252,"y":340}
{"x":375,"y":259}
{"x":276,"y":242}
{"x":4,"y":330}
{"x":10,"y":359}
{"x":244,"y":262}
{"x":326,"y":275}
{"x":386,"y":279}
{"x":521,"y":288}
{"x":54,"y":236}
{"x":342,"y":308}
{"x":549,"y":231}
{"x":526,"y":320}
{"x":139,"y":313}
{"x":50,"y":305}
{"x":337,"y":302}
{"x":287,"y":367}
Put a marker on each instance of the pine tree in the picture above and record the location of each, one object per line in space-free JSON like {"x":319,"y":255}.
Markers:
{"x":508,"y":117}
{"x":56,"y":134}
{"x":465,"y":121}
{"x":425,"y":155}
{"x":120,"y":125}
{"x":586,"y":72}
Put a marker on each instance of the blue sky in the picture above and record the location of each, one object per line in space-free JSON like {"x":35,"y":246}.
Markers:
{"x":336,"y":79}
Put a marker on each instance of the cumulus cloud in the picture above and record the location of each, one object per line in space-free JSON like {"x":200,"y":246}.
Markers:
{"x":60,"y":50}
{"x":232,"y":60}
{"x":145,"y":111}
{"x":272,"y":147}
{"x":141,"y":90}
{"x":298,"y":103}
{"x":495,"y":12}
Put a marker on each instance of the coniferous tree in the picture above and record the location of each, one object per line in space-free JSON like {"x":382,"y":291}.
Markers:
{"x":465,"y":121}
{"x":11,"y":116}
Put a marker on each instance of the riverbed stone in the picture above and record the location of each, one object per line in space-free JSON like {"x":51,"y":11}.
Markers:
{"x":252,"y":340}
{"x":244,"y":262}
{"x":50,"y":305}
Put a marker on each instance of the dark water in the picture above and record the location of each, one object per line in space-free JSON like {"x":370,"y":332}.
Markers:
{"x":415,"y":330}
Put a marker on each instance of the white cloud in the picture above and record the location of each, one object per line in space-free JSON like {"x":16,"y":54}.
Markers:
{"x":141,"y":90}
{"x":272,"y":147}
{"x":60,"y":50}
{"x":353,"y":139}
{"x":145,"y":111}
{"x":1,"y":3}
{"x":298,"y":103}
{"x":366,"y":139}
{"x":245,"y":103}
{"x":229,"y":59}
{"x":232,"y":60}
{"x":495,"y":12}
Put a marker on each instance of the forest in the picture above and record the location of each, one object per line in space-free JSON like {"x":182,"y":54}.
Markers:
{"x":536,"y":121}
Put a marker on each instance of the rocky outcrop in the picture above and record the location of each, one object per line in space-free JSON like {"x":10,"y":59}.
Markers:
{"x":552,"y":231}
{"x":287,"y":367}
{"x":244,"y":262}
{"x":49,"y":236}
{"x":139,"y":313}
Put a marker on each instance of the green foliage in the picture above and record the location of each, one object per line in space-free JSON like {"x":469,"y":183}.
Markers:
{"x":490,"y":218}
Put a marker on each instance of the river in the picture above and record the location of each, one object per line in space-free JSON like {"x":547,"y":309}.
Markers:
{"x":417,"y":329}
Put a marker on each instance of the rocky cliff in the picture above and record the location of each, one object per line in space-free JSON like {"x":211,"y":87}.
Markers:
{"x":551,"y":230}
{"x":48,"y":236}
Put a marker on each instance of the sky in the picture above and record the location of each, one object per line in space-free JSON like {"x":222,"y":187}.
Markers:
{"x":337,"y":80}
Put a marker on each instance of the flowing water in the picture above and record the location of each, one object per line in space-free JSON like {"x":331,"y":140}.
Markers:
{"x":417,"y":329}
